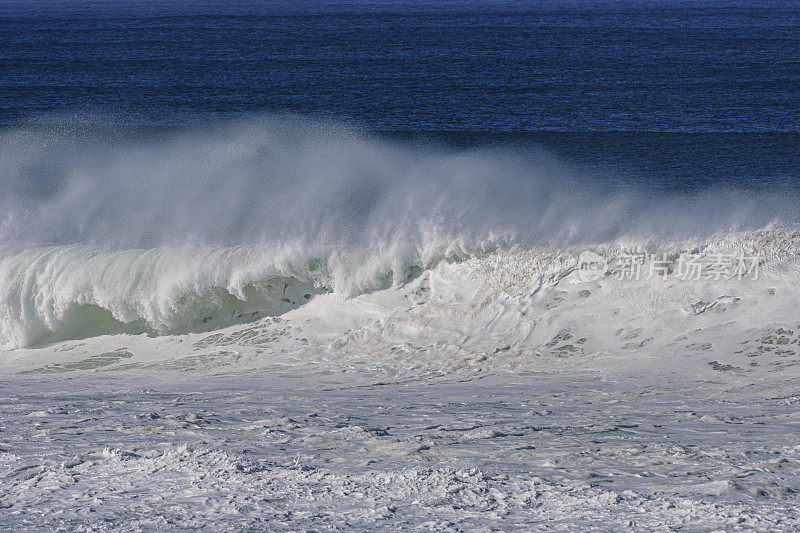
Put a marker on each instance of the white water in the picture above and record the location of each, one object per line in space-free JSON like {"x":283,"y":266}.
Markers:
{"x":167,"y":233}
{"x":287,"y":326}
{"x":444,"y":308}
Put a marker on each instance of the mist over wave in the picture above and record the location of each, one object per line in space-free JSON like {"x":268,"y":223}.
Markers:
{"x":277,"y":179}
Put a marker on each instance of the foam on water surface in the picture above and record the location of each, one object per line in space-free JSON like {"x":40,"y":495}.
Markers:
{"x":255,"y":354}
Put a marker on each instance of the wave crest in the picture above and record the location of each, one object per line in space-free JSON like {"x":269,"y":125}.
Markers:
{"x":59,"y":292}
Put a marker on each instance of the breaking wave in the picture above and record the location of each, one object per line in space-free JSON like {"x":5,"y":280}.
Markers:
{"x":173,"y":232}
{"x":56,"y":292}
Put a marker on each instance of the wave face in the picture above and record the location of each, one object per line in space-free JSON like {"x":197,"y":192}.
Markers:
{"x":55,"y":292}
{"x":106,"y":232}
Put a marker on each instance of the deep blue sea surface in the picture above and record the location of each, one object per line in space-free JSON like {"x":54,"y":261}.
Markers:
{"x":677,"y":93}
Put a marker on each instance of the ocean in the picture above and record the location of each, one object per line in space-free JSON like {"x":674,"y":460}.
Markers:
{"x":399,"y":265}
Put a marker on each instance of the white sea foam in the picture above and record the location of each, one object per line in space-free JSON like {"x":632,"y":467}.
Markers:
{"x":445,"y":307}
{"x":296,"y":326}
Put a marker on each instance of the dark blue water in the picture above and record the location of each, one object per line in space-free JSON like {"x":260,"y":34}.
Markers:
{"x":679,"y":93}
